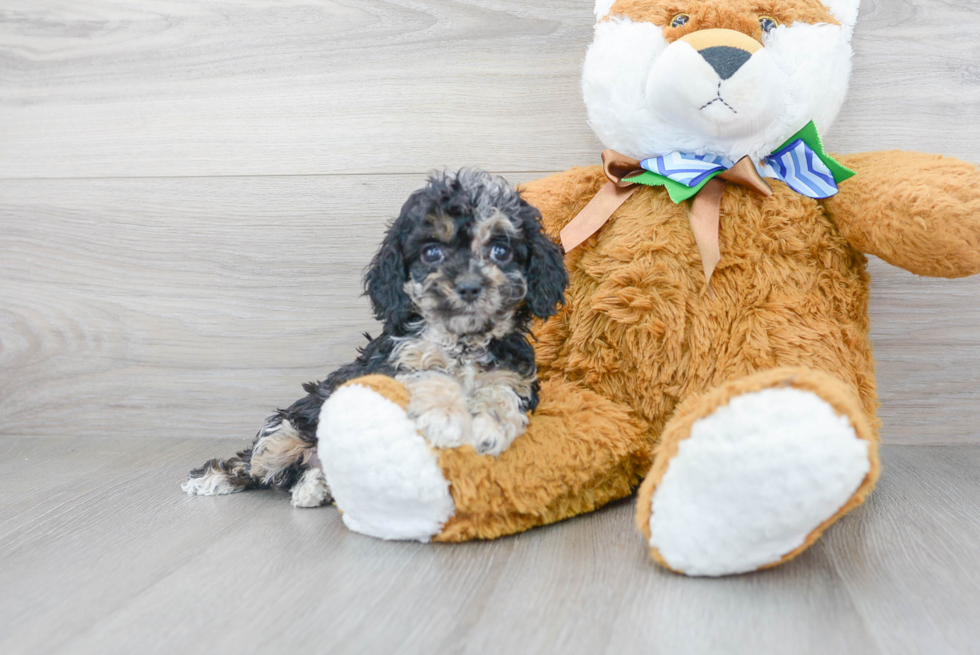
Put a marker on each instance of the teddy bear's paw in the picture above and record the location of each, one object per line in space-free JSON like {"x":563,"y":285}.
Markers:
{"x":756,"y":480}
{"x":383,"y":475}
{"x":311,"y":490}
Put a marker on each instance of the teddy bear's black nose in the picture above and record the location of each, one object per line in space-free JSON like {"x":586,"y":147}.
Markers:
{"x":725,"y":59}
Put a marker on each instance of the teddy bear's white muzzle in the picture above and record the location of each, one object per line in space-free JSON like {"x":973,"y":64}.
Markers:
{"x":717,"y":91}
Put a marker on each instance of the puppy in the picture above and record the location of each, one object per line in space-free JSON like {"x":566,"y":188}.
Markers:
{"x":460,"y":275}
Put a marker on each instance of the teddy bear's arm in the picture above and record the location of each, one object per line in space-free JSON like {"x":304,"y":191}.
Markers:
{"x":562,"y":196}
{"x":581,"y":451}
{"x":917,"y":211}
{"x":559,"y":198}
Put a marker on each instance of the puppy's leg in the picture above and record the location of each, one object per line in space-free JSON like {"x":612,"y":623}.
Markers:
{"x":284,"y":457}
{"x":437,"y":404}
{"x":220,"y":476}
{"x":498,"y":410}
{"x":311,"y":490}
{"x":227,"y":476}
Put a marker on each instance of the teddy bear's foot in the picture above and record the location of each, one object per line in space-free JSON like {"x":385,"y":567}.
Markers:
{"x":383,"y":475}
{"x":750,"y":474}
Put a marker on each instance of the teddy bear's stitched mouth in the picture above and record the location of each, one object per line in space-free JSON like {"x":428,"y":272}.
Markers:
{"x":718,"y":98}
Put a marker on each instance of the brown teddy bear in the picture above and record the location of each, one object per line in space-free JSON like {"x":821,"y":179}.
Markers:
{"x":714,"y":342}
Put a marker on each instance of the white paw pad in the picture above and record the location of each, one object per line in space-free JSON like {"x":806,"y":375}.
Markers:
{"x":383,"y":475}
{"x":753,"y":480}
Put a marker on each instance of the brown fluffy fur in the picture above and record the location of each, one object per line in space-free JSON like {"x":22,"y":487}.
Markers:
{"x":916,"y":211}
{"x":640,"y":330}
{"x":641,"y":342}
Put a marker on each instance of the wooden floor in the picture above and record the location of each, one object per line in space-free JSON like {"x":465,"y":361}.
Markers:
{"x":102,"y":552}
{"x":189,"y":191}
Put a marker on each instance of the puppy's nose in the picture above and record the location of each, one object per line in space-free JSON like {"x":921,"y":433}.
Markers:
{"x":469,"y":290}
{"x":725,"y":59}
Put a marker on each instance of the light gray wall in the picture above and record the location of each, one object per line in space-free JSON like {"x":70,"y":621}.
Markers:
{"x":190,"y":190}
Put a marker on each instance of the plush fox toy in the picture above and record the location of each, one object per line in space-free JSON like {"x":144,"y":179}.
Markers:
{"x":714,"y":343}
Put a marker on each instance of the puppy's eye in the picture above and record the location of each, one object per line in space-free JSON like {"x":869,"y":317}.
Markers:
{"x":679,"y":19}
{"x":432,"y":254}
{"x":768,"y":23}
{"x":501,"y":253}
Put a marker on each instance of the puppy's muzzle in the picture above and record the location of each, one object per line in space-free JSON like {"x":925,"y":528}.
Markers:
{"x":469,"y":289}
{"x":725,"y":50}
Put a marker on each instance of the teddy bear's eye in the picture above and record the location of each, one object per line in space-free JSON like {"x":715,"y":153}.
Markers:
{"x":679,"y":19}
{"x":768,"y":23}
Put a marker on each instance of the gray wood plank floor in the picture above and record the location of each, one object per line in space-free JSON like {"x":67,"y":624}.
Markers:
{"x":101,"y":553}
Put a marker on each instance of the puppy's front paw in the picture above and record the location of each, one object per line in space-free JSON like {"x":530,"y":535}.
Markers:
{"x":489,"y":437}
{"x":438,"y":407}
{"x":444,"y":427}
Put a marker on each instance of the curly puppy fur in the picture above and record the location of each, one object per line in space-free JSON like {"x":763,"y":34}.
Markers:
{"x":460,"y":275}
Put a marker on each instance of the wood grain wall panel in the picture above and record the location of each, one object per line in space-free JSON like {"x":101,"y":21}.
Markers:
{"x":180,"y":306}
{"x":177,"y":88}
{"x":169,"y":88}
{"x":192,"y":306}
{"x":262,"y":145}
{"x":927,"y":347}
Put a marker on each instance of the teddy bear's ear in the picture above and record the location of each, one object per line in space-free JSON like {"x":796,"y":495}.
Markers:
{"x":846,"y":11}
{"x":602,"y":8}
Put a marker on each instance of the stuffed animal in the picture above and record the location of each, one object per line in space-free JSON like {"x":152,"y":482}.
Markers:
{"x":714,"y":342}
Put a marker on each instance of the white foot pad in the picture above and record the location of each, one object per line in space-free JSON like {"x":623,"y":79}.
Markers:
{"x":753,"y":480}
{"x":383,"y":475}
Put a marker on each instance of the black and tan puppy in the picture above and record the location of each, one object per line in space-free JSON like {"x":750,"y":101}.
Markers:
{"x":460,"y":275}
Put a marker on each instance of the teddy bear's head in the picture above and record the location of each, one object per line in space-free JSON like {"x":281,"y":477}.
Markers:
{"x":718,"y":77}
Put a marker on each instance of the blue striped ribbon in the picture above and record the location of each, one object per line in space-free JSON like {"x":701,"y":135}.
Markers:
{"x":796,"y":164}
{"x":801,"y":169}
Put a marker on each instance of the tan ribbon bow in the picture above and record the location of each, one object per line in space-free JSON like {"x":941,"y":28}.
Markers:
{"x":705,"y":208}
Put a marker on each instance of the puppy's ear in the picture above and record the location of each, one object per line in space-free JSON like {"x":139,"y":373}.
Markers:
{"x":546,"y":274}
{"x":384,"y":281}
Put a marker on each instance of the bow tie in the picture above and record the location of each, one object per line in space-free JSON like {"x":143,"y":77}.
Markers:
{"x":800,"y":163}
